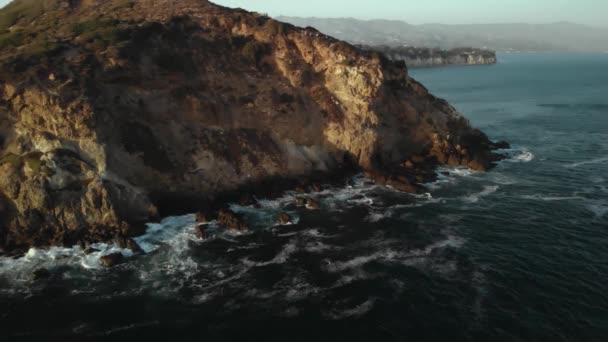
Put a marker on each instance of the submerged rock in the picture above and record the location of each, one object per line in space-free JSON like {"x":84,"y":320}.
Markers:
{"x":247,"y":200}
{"x":312,"y":204}
{"x":300,"y":201}
{"x":111,"y":260}
{"x":90,"y":250}
{"x":200,"y":232}
{"x":231,"y":220}
{"x":201,"y":218}
{"x":41,"y":273}
{"x":316,"y":187}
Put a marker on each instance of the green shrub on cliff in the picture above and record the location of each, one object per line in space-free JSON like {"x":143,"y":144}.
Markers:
{"x":91,"y":26}
{"x":11,"y":39}
{"x":12,"y":159}
{"x":20,"y":9}
{"x":33,"y":161}
{"x":254,"y":51}
{"x":100,"y":33}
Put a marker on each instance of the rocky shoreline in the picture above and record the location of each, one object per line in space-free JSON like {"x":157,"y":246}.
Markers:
{"x":156,"y":108}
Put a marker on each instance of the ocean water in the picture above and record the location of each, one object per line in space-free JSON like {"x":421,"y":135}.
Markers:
{"x":516,"y":254}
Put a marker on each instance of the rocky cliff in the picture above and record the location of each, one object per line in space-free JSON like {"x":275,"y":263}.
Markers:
{"x":112,"y":112}
{"x":417,"y":57}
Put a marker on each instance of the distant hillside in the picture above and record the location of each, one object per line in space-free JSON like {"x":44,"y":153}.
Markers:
{"x":499,"y":37}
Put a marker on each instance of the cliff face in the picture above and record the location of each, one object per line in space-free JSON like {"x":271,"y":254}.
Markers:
{"x":416,"y":57}
{"x":110,"y":109}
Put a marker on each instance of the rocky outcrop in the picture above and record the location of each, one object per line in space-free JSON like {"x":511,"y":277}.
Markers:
{"x":283,"y":218}
{"x":417,"y":57}
{"x":231,"y":220}
{"x":111,"y":260}
{"x":114,"y":113}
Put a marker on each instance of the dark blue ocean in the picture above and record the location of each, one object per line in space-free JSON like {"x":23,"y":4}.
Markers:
{"x":516,"y":254}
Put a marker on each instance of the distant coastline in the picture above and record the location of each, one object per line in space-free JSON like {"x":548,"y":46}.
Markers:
{"x":420,"y":57}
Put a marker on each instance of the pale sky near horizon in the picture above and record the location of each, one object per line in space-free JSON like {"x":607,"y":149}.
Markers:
{"x":590,"y":12}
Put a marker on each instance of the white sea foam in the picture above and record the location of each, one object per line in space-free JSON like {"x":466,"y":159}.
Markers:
{"x":538,"y":197}
{"x":378,"y":216}
{"x":588,"y":162}
{"x":318,"y":247}
{"x":462,"y":171}
{"x":487,"y":190}
{"x":173,"y":231}
{"x":357,"y":311}
{"x":451,"y":175}
{"x":523,"y":156}
{"x":280,"y":258}
{"x":391,"y":255}
{"x":339,"y":266}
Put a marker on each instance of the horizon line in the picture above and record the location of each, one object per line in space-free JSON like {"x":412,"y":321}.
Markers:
{"x":439,"y":23}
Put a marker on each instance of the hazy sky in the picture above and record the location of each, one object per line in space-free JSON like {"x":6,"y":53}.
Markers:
{"x":592,"y":12}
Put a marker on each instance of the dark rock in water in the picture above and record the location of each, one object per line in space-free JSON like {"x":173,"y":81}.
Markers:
{"x":200,"y":232}
{"x":201,"y":218}
{"x":300,"y":201}
{"x":120,"y":242}
{"x":398,"y":181}
{"x":41,"y":273}
{"x":231,"y":220}
{"x":135,"y":247}
{"x":316,"y":187}
{"x":133,"y":229}
{"x":312,"y":204}
{"x":90,"y":250}
{"x":111,"y":260}
{"x":247,"y":200}
{"x":501,"y":145}
{"x":128,"y":243}
{"x":300,"y":189}
{"x":283,"y":218}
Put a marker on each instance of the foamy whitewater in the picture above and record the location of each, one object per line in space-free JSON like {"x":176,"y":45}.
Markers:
{"x":518,"y":253}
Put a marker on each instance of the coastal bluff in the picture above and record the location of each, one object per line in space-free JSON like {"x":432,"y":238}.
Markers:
{"x":115,"y":113}
{"x":420,"y":57}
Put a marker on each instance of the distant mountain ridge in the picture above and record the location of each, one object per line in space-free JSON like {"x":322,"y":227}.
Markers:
{"x":515,"y":37}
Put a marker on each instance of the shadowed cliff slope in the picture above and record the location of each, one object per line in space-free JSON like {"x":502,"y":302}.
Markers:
{"x":110,"y":109}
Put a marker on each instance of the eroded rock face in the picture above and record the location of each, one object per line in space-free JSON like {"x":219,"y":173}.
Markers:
{"x":188,"y":101}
